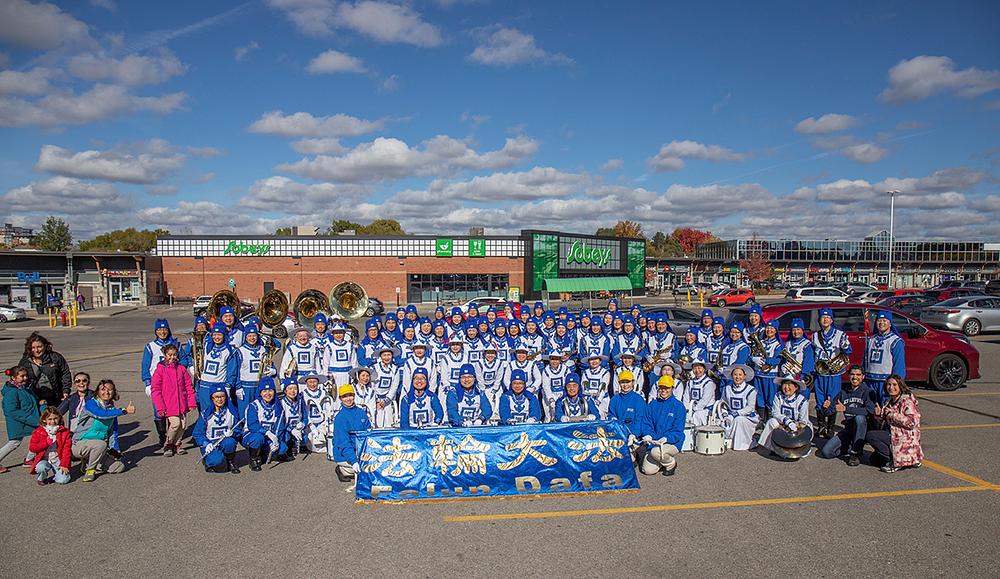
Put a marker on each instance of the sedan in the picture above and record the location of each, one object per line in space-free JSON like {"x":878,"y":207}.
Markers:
{"x":910,"y":304}
{"x":971,"y":316}
{"x":677,"y":318}
{"x":685,"y":289}
{"x":872,"y":297}
{"x":10,"y":313}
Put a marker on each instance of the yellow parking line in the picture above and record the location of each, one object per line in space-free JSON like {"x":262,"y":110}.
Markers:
{"x":723,"y":504}
{"x":957,"y":474}
{"x":951,"y":426}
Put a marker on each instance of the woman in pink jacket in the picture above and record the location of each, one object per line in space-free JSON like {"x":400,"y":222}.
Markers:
{"x":173,"y":396}
{"x":897,"y":441}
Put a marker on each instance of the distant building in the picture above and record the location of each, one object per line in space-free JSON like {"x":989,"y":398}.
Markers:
{"x":13,"y":236}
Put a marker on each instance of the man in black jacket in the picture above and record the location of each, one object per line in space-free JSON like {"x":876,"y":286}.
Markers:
{"x":857,"y":403}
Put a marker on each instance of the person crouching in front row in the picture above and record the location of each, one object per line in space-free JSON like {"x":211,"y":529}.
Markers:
{"x":573,"y":406}
{"x":52,"y":444}
{"x":662,"y":430}
{"x":265,"y":427}
{"x":216,"y":433}
{"x":857,"y":402}
{"x":349,"y":420}
{"x":417,"y":408}
{"x":789,"y":409}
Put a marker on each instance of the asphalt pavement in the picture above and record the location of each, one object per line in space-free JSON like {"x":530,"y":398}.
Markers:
{"x":739,"y":513}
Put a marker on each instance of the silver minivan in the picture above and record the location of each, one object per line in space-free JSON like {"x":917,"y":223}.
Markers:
{"x":969,"y":315}
{"x":816,"y":294}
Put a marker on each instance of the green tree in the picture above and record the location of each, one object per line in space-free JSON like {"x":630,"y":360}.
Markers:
{"x":283,"y":231}
{"x":130,"y":239}
{"x":382,"y":227}
{"x":341,"y":225}
{"x":54,"y":235}
{"x":605,"y":232}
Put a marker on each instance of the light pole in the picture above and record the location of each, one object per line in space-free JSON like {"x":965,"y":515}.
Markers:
{"x":892,"y":215}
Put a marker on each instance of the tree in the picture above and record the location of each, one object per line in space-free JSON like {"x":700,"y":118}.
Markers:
{"x":54,"y":235}
{"x":382,"y":227}
{"x":663,"y":245}
{"x":130,"y":239}
{"x":756,"y":266}
{"x":283,"y":231}
{"x":626,"y":228}
{"x":605,"y":232}
{"x":341,"y":225}
{"x":690,"y":239}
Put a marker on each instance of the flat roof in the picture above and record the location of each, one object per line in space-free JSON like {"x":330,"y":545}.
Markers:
{"x":29,"y":252}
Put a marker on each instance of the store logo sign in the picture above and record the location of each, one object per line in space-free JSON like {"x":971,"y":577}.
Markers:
{"x":443,"y":247}
{"x":477,"y":248}
{"x":241,"y":248}
{"x":28,"y":277}
{"x":582,"y":253}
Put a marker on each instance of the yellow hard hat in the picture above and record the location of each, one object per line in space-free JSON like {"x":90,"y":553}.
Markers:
{"x":625,"y":375}
{"x":665,"y":382}
{"x":344,"y":390}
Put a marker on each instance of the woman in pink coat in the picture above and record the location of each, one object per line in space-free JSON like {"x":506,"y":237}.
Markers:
{"x":897,"y":442}
{"x":173,"y":396}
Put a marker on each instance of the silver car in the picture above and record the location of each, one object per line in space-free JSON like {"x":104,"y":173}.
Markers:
{"x":969,"y":315}
{"x":10,"y":313}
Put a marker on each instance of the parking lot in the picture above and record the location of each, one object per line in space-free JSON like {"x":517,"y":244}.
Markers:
{"x":739,"y":513}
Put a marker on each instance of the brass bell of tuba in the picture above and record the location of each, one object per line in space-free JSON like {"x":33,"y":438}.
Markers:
{"x":221,"y":299}
{"x":348,"y":300}
{"x":308,"y":304}
{"x":272,"y":311}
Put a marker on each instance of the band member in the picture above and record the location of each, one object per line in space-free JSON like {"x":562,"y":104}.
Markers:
{"x":417,"y":408}
{"x":349,"y":420}
{"x":628,"y":364}
{"x":339,"y":355}
{"x":716,"y":340}
{"x":596,"y":382}
{"x":699,"y":393}
{"x":548,"y":327}
{"x":532,"y":375}
{"x":736,"y":351}
{"x":438,"y":346}
{"x":672,"y":369}
{"x":705,"y":329}
{"x":234,"y":329}
{"x":216,"y":432}
{"x":517,"y":405}
{"x":221,"y":366}
{"x":573,"y":406}
{"x":690,"y":348}
{"x":425,"y":330}
{"x":628,"y":340}
{"x":295,"y":413}
{"x":500,"y":341}
{"x":385,"y":377}
{"x":789,"y":409}
{"x":553,"y":383}
{"x":410,"y":313}
{"x":250,"y":355}
{"x":596,"y":342}
{"x":662,"y":430}
{"x":367,"y":353}
{"x":301,"y":358}
{"x":449,"y":367}
{"x":187,"y":350}
{"x":857,"y":402}
{"x":629,"y":408}
{"x":799,"y":346}
{"x":264,"y":431}
{"x":321,"y":335}
{"x":152,"y":354}
{"x":755,"y":322}
{"x":419,"y":359}
{"x":561,"y":341}
{"x":390,"y":330}
{"x":531,"y":339}
{"x":364,"y":392}
{"x":489,"y":376}
{"x":467,"y":405}
{"x":884,"y":355}
{"x":741,"y":400}
{"x":405,"y":345}
{"x":829,"y":343}
{"x":766,"y":367}
{"x":320,"y":411}
{"x":660,"y":342}
{"x":455,"y":321}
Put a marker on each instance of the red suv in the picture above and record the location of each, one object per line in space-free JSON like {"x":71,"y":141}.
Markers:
{"x":734,"y":297}
{"x":945,"y":360}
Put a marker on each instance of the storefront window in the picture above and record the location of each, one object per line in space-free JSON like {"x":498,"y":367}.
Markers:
{"x":460,"y":287}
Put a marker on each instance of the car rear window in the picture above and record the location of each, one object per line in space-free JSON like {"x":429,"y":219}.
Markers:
{"x":684,"y":316}
{"x":953,"y":302}
{"x":785,"y":321}
{"x":790,"y":293}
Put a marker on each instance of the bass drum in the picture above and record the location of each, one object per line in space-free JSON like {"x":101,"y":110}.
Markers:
{"x":709,"y":440}
{"x":688,"y":438}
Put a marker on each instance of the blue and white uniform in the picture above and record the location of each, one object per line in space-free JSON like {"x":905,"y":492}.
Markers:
{"x":221,"y":368}
{"x":764,"y":381}
{"x":468,"y":407}
{"x":741,"y":420}
{"x":295,"y":415}
{"x":595,"y":384}
{"x":575,"y":408}
{"x":699,"y":397}
{"x":424,"y":362}
{"x":339,"y":357}
{"x":385,"y":380}
{"x":250,"y":371}
{"x":216,"y":433}
{"x":420,"y":411}
{"x":320,"y":409}
{"x":520,"y":408}
{"x":884,"y":355}
{"x":533,"y":376}
{"x":785,"y":411}
{"x":264,"y":430}
{"x":553,"y":385}
{"x":152,"y":354}
{"x":802,"y":350}
{"x":489,"y":377}
{"x":303,"y":357}
{"x":827,"y":345}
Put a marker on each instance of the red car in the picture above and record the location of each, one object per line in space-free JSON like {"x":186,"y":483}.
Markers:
{"x":945,"y":360}
{"x":734,"y":297}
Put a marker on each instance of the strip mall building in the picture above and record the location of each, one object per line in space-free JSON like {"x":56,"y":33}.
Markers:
{"x":407,"y":269}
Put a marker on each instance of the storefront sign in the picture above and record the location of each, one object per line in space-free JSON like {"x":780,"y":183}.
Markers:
{"x":582,"y":253}
{"x":676,"y":268}
{"x":242,"y":248}
{"x":28,"y":277}
{"x":477,"y":248}
{"x":120,"y":272}
{"x":513,"y":294}
{"x":728,"y":269}
{"x":443,"y":247}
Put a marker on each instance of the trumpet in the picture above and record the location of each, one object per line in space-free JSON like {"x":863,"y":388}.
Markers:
{"x":757,"y":349}
{"x":833,"y":366}
{"x":657,"y":358}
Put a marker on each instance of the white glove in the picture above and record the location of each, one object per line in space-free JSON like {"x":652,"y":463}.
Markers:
{"x":149,"y":391}
{"x":356,"y":468}
{"x":794,"y":427}
{"x":661,"y":441}
{"x":209,"y":448}
{"x":272,"y":437}
{"x":564,"y":419}
{"x":647,"y":438}
{"x":239,"y":394}
{"x":467,"y":423}
{"x":631,"y":440}
{"x":297,"y":433}
{"x":591,"y":417}
{"x":530,"y":420}
{"x":757,"y":360}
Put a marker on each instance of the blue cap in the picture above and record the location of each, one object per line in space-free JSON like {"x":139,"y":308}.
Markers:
{"x":319,"y":318}
{"x":706,"y":313}
{"x":251,"y":330}
{"x":719,"y":320}
{"x":220,"y":328}
{"x":161,"y":323}
{"x":563,"y":310}
{"x":411,"y":309}
{"x":220,"y":388}
{"x":400,"y":309}
{"x":420,"y":371}
{"x":883,"y":315}
{"x":596,"y":321}
{"x":572,"y":377}
{"x":612,"y":301}
{"x":825,"y":312}
{"x":424,"y":320}
{"x":692,"y":330}
{"x":584,"y":313}
{"x":518,"y":375}
{"x":628,"y":320}
{"x":438,"y":324}
{"x":266,"y":383}
{"x":466,"y":370}
{"x":408,"y":324}
{"x":561,"y":323}
{"x":756,"y":309}
{"x":371,"y":323}
{"x":200,"y":320}
{"x":288,"y":381}
{"x":736,"y":325}
{"x":537,"y":306}
{"x":797,"y":323}
{"x":225,"y":310}
{"x":772,"y":323}
{"x":570,"y":318}
{"x":439,"y":309}
{"x":456,"y":311}
{"x":548,"y":315}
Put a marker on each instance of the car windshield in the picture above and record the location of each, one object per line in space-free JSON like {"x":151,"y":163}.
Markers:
{"x":954,"y":302}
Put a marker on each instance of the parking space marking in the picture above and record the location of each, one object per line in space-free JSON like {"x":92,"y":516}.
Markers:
{"x":939,"y":394}
{"x":952,"y":426}
{"x":958,"y":474}
{"x":722,"y":504}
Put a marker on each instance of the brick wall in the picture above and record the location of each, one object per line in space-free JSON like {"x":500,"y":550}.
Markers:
{"x":380,"y":276}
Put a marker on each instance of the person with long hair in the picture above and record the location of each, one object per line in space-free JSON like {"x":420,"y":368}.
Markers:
{"x":95,"y":440}
{"x":50,"y":376}
{"x":897,"y":441}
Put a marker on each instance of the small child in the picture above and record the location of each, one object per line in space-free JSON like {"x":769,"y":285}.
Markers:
{"x":173,"y":396}
{"x":20,"y":410}
{"x":52,"y":444}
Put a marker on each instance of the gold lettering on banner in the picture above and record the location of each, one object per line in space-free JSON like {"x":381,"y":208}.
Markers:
{"x":599,"y":447}
{"x":467,"y":456}
{"x":397,"y":458}
{"x":526,"y":447}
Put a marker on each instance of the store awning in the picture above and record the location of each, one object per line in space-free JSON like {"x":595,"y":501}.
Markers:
{"x":587,"y":284}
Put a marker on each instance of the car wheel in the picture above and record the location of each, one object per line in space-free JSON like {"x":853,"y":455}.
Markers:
{"x":948,"y":372}
{"x":3,"y":319}
{"x":721,"y":303}
{"x":369,"y":312}
{"x":972,"y":327}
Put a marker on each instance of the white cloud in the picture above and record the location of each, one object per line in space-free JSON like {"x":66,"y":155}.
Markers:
{"x":387,"y":22}
{"x":389,"y":84}
{"x":671,"y":156}
{"x":204,"y":152}
{"x":536,"y":183}
{"x":334,"y":61}
{"x":67,"y":108}
{"x":133,"y":70}
{"x":206,"y":217}
{"x":242,"y":52}
{"x":40,"y":26}
{"x":305,"y":125}
{"x":156,"y":160}
{"x":33,"y":82}
{"x":108,"y":5}
{"x":386,"y":159}
{"x":63,"y":195}
{"x":924,"y":76}
{"x":507,"y":47}
{"x":864,"y":153}
{"x":320,"y":146}
{"x":311,"y":17}
{"x":203,"y":178}
{"x":281,"y":194}
{"x":612,"y":165}
{"x":828,"y":123}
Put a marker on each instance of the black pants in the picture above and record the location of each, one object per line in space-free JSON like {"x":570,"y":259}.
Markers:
{"x":881,"y":441}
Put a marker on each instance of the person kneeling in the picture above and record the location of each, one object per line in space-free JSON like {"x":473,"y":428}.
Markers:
{"x":662,"y":430}
{"x":216,"y":433}
{"x":789,"y":421}
{"x":573,"y":406}
{"x":265,"y":427}
{"x":349,"y":420}
{"x":517,"y":405}
{"x":418,"y":409}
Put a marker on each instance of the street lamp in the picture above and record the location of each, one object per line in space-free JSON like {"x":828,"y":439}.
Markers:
{"x":892,"y":214}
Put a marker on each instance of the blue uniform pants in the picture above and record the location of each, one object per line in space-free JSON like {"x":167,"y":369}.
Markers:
{"x":249,"y":395}
{"x":215,"y":458}
{"x":255,"y":440}
{"x":878,"y":389}
{"x":853,"y":435}
{"x":827,"y":388}
{"x":766,"y":390}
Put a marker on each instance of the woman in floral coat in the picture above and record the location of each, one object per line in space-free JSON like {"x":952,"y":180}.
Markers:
{"x":897,"y":441}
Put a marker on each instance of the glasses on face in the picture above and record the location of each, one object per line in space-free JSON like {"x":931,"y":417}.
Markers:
{"x":80,"y":380}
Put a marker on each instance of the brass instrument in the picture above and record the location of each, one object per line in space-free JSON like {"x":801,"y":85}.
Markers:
{"x":657,"y":358}
{"x":198,"y":353}
{"x":272,"y":311}
{"x":757,"y":349}
{"x":794,"y":367}
{"x":349,"y":300}
{"x":833,"y":366}
{"x":684,"y":361}
{"x":308,"y":304}
{"x":221,"y":299}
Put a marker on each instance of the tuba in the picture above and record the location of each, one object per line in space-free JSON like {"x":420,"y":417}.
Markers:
{"x":198,"y":354}
{"x":308,"y":304}
{"x":348,"y":300}
{"x":221,"y":299}
{"x":272,"y":311}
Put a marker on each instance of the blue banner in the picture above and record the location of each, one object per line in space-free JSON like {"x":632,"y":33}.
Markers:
{"x":529,"y":459}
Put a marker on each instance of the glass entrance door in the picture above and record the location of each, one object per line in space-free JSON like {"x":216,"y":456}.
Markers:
{"x":115,"y":290}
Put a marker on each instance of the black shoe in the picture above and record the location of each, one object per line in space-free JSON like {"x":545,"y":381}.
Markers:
{"x":853,"y":460}
{"x":161,"y":430}
{"x":670,"y":472}
{"x":231,"y":464}
{"x":254,"y":459}
{"x":344,"y":474}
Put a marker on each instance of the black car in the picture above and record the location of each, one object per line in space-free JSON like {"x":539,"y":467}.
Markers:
{"x":375,"y":307}
{"x":677,"y":318}
{"x":993,"y":287}
{"x":909,"y":304}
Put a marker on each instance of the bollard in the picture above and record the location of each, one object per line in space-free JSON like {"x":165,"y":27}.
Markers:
{"x":73,"y":311}
{"x":52,"y":317}
{"x":701,"y":299}
{"x":689,"y":298}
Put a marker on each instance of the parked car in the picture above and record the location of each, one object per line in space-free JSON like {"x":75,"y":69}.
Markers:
{"x":200,"y":303}
{"x":11,"y":313}
{"x":993,"y":287}
{"x":201,"y":307}
{"x":970,"y":316}
{"x":816,"y":294}
{"x":945,"y":360}
{"x":872,"y":297}
{"x":957,"y":283}
{"x":734,"y":297}
{"x":677,"y":318}
{"x":909,"y":304}
{"x":684,"y":289}
{"x":858,"y":286}
{"x":485,"y":302}
{"x":954,"y":292}
{"x":375,"y":307}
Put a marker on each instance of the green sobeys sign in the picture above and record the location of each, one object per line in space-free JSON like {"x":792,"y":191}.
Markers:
{"x":580,"y":252}
{"x":243,"y":248}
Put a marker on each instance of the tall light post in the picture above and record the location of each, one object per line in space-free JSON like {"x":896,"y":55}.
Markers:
{"x":892,"y":215}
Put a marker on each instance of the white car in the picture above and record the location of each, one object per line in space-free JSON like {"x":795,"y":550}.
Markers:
{"x":200,"y":303}
{"x":816,"y":294}
{"x":9,"y":313}
{"x":484,"y":303}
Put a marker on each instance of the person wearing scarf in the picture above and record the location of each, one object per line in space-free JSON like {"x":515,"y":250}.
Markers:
{"x":766,"y":368}
{"x":216,"y":432}
{"x":573,"y":406}
{"x":221,"y":366}
{"x":417,"y":408}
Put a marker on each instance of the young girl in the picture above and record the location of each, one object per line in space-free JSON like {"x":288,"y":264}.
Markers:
{"x":173,"y":396}
{"x":293,"y":408}
{"x":70,"y":407}
{"x":20,"y":410}
{"x":52,"y":444}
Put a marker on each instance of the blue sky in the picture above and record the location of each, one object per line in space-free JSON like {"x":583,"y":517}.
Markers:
{"x":785,"y":119}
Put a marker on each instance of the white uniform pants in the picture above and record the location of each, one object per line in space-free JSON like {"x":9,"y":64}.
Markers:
{"x":659,"y":456}
{"x":740,"y":430}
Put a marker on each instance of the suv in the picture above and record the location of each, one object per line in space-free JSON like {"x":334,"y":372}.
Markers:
{"x":945,"y":360}
{"x":733,"y":297}
{"x":816,"y":294}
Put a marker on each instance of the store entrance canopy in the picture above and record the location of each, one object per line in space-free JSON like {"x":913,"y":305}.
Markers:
{"x":588,"y":284}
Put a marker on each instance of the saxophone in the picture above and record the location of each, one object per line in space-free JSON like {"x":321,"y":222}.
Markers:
{"x":757,"y":349}
{"x":657,"y":358}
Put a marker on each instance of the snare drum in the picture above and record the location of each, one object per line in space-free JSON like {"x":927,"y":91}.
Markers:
{"x":688,"y":438}
{"x":710,"y":440}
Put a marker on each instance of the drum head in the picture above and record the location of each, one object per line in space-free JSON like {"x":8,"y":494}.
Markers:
{"x":709,"y":429}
